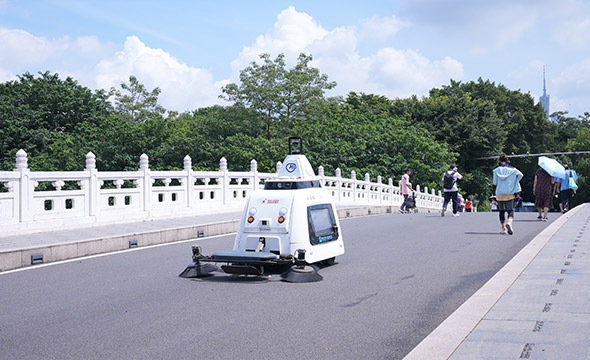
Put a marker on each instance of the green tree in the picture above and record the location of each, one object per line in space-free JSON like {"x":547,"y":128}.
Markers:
{"x":38,"y":112}
{"x":279,"y":93}
{"x":136,"y":103}
{"x":350,"y":138}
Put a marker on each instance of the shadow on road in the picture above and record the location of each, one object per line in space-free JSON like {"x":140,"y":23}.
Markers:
{"x":481,"y":233}
{"x":225,"y":278}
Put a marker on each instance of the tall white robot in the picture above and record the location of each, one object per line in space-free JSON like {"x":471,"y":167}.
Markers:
{"x":290,"y":224}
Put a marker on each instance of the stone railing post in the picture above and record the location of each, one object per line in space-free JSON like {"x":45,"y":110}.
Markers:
{"x":187,"y":165}
{"x":255,"y":179}
{"x":321,"y":175}
{"x":93,"y":191}
{"x":339,"y":184}
{"x":144,"y":166}
{"x":279,"y":166}
{"x":25,"y":187}
{"x":379,"y":189}
{"x":391,"y":195}
{"x":224,"y":180}
{"x":368,"y":187}
{"x":354,"y":185}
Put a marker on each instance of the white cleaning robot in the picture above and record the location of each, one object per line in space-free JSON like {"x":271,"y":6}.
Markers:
{"x":286,"y":227}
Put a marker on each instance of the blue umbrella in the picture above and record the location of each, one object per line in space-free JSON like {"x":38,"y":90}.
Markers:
{"x":552,"y":166}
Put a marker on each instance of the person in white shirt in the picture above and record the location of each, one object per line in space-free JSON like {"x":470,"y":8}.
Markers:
{"x":449,"y":180}
{"x":406,"y":189}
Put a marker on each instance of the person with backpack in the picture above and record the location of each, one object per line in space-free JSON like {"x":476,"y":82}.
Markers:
{"x":567,"y":187}
{"x":507,"y":181}
{"x":449,"y":181}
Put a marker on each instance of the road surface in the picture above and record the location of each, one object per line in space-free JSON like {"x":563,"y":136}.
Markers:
{"x":400,"y":277}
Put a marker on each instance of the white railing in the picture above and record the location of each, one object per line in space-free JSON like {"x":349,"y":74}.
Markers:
{"x":354,"y":192}
{"x":51,"y":200}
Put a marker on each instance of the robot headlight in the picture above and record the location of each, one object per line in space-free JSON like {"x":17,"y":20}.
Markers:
{"x":252,"y":212}
{"x":282,"y":211}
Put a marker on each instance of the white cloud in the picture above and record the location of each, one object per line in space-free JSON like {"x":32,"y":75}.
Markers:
{"x":21,"y":51}
{"x":6,"y":75}
{"x":388,"y":71}
{"x":573,"y":24}
{"x":292,"y":32}
{"x":97,"y":65}
{"x":391,"y":72}
{"x":20,"y":47}
{"x":183,"y":87}
{"x":571,"y":88}
{"x":574,"y":80}
{"x":382,"y":28}
{"x":483,"y":25}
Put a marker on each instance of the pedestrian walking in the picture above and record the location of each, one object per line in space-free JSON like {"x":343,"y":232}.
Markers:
{"x":518,"y":202}
{"x":557,"y":193}
{"x":507,"y":181}
{"x":542,"y":186}
{"x":468,"y":205}
{"x":449,"y":181}
{"x":494,"y":204}
{"x":406,"y":190}
{"x":567,"y":187}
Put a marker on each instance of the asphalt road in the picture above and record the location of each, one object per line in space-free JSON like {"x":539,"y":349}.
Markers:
{"x":400,"y":277}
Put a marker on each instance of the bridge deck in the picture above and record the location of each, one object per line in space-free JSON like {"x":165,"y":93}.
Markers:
{"x":535,"y":307}
{"x":16,"y":251}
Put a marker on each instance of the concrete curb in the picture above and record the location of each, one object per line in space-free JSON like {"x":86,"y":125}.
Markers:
{"x":18,"y":258}
{"x":443,"y":341}
{"x":14,"y":259}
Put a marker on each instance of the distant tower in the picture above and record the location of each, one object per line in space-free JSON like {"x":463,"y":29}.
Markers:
{"x":545,"y":98}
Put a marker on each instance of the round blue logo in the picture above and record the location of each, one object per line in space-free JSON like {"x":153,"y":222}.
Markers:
{"x":290,"y":167}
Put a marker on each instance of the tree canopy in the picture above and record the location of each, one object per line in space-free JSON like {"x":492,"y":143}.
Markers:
{"x":57,"y":121}
{"x":278,"y":93}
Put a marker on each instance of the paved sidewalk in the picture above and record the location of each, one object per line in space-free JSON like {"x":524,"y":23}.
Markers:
{"x":536,"y":307}
{"x":17,"y":251}
{"x":13,"y":242}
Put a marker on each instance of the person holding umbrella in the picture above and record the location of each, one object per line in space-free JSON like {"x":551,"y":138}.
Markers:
{"x":507,"y":181}
{"x":562,"y":175}
{"x":542,"y":186}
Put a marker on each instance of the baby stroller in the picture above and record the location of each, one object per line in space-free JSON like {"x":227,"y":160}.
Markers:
{"x":411,"y":203}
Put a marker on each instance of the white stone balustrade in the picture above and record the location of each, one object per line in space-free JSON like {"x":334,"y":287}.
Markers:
{"x":31,"y":200}
{"x":364,"y":192}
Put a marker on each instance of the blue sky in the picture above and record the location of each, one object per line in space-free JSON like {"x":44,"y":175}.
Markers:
{"x":190,"y":49}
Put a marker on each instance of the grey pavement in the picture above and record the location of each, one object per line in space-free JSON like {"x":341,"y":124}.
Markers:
{"x":48,"y":238}
{"x":536,"y":307}
{"x":16,"y":251}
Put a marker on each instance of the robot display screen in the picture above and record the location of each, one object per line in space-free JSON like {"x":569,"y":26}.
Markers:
{"x":322,"y":224}
{"x":291,"y":185}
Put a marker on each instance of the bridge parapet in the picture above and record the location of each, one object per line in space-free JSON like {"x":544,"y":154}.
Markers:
{"x":40,"y":200}
{"x":364,"y":192}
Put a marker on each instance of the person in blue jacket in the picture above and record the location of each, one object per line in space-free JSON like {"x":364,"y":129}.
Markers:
{"x":507,"y":181}
{"x":566,"y":193}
